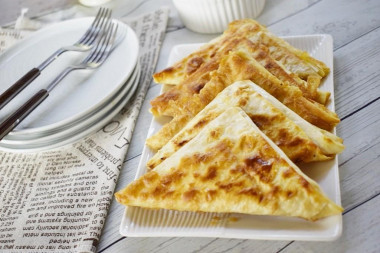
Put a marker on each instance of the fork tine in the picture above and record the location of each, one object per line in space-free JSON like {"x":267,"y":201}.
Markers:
{"x":98,"y":28}
{"x":101,"y":26}
{"x":110,"y":44}
{"x":104,"y":44}
{"x":95,"y":51}
{"x":105,"y":24}
{"x":96,"y":21}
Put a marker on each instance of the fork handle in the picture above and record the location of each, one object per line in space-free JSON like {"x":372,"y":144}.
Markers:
{"x":18,"y":86}
{"x":13,"y":120}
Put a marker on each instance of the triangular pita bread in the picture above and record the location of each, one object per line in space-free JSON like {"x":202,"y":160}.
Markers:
{"x":295,"y":60}
{"x":183,"y":104}
{"x":300,"y":140}
{"x":230,"y":166}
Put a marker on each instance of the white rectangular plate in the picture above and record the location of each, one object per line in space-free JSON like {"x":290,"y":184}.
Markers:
{"x":141,"y":222}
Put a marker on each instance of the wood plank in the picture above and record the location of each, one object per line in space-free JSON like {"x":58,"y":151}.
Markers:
{"x":360,"y":234}
{"x":191,"y":244}
{"x":357,"y":77}
{"x":110,"y":231}
{"x":11,"y":10}
{"x":275,"y":11}
{"x":181,"y":36}
{"x":142,"y":125}
{"x":348,"y":176}
{"x":358,"y":180}
{"x":359,"y":171}
{"x":344,"y":20}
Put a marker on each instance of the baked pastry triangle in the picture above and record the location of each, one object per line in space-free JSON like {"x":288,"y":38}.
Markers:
{"x":183,"y":103}
{"x":300,"y":68}
{"x":230,"y":166}
{"x":300,"y":140}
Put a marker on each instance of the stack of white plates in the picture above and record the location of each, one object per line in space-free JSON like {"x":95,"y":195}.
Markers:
{"x":83,"y":102}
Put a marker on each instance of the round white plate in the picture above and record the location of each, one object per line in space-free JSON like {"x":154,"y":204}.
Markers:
{"x":67,"y":130}
{"x":102,"y":118}
{"x":77,"y":94}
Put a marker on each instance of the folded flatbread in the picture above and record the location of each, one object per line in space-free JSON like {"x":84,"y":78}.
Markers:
{"x":300,"y":140}
{"x":230,"y":166}
{"x":184,"y":101}
{"x":284,"y":61}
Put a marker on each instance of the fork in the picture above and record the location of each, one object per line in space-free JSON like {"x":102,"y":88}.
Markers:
{"x":97,"y":56}
{"x":85,"y":43}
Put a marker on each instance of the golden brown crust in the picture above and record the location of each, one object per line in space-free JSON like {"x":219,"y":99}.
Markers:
{"x":158,"y":140}
{"x":181,"y":70}
{"x":238,"y":65}
{"x":304,"y":143}
{"x":230,"y":166}
{"x":297,"y":63}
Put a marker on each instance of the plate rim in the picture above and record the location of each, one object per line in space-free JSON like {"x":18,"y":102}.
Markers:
{"x":17,"y":140}
{"x":110,"y":113}
{"x":130,"y":34}
{"x":225,"y":233}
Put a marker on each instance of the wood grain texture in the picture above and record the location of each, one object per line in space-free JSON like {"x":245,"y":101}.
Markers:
{"x":360,"y":234}
{"x":172,"y":38}
{"x":359,"y":163}
{"x":356,"y":73}
{"x":10,"y":10}
{"x":354,"y":26}
{"x":344,"y":20}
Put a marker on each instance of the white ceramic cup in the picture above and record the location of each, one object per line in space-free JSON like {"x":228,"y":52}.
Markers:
{"x":92,"y":3}
{"x":213,"y":16}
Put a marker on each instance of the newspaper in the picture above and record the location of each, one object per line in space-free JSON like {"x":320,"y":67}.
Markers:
{"x":9,"y":37}
{"x":58,"y":200}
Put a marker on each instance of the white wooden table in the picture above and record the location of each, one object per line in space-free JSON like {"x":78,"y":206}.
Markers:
{"x":355,"y":27}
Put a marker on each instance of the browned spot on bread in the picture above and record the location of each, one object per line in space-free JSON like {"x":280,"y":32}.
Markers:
{"x":196,"y":88}
{"x":193,"y":64}
{"x":304,"y":183}
{"x":201,"y":123}
{"x":210,"y":194}
{"x":223,"y":146}
{"x":199,"y":158}
{"x":190,"y":194}
{"x":228,"y":186}
{"x":263,"y":120}
{"x":150,"y":178}
{"x":216,"y":133}
{"x":252,"y":191}
{"x":138,"y":187}
{"x":172,"y":178}
{"x":159,"y":190}
{"x":260,"y":167}
{"x":287,"y":173}
{"x":289,"y":194}
{"x":247,"y":142}
{"x":269,"y":65}
{"x":262,"y":53}
{"x":256,"y":163}
{"x":211,"y":173}
{"x":273,"y":192}
{"x":243,"y":102}
{"x":168,"y":194}
{"x":181,"y":143}
{"x":237,"y":169}
{"x":165,"y":97}
{"x":169,"y":69}
{"x":296,"y":142}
